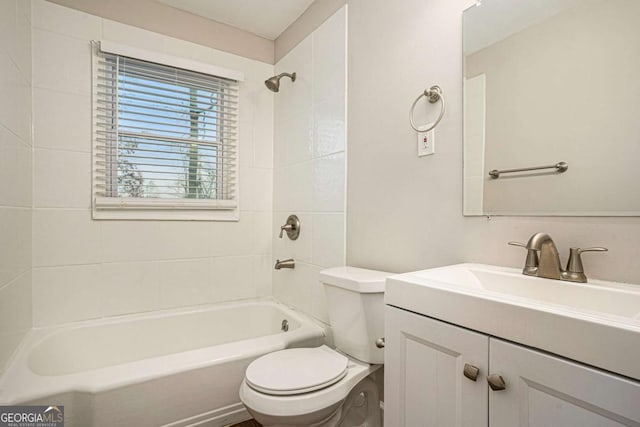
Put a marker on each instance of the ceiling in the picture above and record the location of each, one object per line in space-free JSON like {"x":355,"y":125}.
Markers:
{"x":266,"y":18}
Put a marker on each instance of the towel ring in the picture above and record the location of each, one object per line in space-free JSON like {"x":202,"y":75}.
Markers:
{"x":433,"y":94}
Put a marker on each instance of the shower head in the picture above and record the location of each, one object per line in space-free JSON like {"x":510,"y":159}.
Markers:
{"x":273,"y":83}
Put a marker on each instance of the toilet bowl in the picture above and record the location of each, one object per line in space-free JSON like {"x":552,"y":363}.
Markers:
{"x":318,"y":389}
{"x":321,"y":386}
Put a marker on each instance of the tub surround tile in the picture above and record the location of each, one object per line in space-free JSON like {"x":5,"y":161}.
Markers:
{"x":73,"y":293}
{"x":232,"y":278}
{"x":22,"y":56}
{"x":263,"y":129}
{"x":61,"y":179}
{"x":129,"y":288}
{"x":245,"y":145}
{"x":124,"y":241}
{"x":329,"y":127}
{"x":329,"y":183}
{"x":233,"y":238}
{"x":62,"y":120}
{"x":295,"y":143}
{"x":65,"y":237}
{"x":15,"y":306}
{"x":318,"y":296}
{"x":8,"y":345}
{"x":66,"y":294}
{"x":292,"y":188}
{"x":66,"y":21}
{"x":14,"y":86}
{"x":329,"y":53}
{"x":295,"y":98}
{"x":256,"y":189}
{"x":15,"y":250}
{"x":8,"y":39}
{"x":184,"y":283}
{"x":262,"y":233}
{"x":328,"y":246}
{"x":133,"y":266}
{"x":299,"y":249}
{"x":61,"y":63}
{"x":309,"y":159}
{"x":15,"y":176}
{"x":262,"y":269}
{"x":15,"y":170}
{"x":289,"y":289}
{"x":126,"y":34}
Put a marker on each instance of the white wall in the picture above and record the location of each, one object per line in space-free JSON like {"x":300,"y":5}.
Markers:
{"x":405,"y":212}
{"x":309,"y":163}
{"x":15,"y":174}
{"x":84,"y":268}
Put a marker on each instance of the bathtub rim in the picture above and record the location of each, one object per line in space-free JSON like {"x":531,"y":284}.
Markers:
{"x":19,"y":384}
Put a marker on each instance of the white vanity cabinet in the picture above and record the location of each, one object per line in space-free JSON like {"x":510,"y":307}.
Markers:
{"x":425,"y":383}
{"x":545,"y":390}
{"x":423,"y":373}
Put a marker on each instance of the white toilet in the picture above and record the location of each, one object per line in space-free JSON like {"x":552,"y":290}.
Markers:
{"x":319,"y":386}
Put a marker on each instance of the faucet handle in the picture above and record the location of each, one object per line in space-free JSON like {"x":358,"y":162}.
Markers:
{"x":531,"y":263}
{"x":594,"y":249}
{"x":286,"y":227}
{"x":291,"y":227}
{"x":575,"y":270}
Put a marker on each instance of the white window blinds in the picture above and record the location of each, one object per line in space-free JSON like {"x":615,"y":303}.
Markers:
{"x":165,"y":137}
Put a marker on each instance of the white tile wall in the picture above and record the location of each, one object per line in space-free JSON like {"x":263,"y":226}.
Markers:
{"x":15,"y":90}
{"x":15,"y":170}
{"x":15,"y":175}
{"x":15,"y":314}
{"x":309,"y":159}
{"x":64,"y":120}
{"x":15,"y":250}
{"x":61,"y":179}
{"x":61,"y":62}
{"x":65,"y":294}
{"x":85,"y":268}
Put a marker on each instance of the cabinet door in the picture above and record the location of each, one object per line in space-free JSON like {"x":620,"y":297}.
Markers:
{"x":548,"y":391}
{"x":424,"y":381}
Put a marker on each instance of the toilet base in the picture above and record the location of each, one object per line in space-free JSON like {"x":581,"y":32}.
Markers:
{"x":361,"y":408}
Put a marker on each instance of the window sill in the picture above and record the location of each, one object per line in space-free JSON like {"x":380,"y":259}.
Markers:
{"x":164,"y":210}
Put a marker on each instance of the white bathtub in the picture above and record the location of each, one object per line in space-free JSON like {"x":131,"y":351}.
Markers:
{"x":177,"y":367}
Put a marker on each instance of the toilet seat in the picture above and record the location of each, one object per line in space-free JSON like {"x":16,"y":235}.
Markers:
{"x":296,"y":371}
{"x":306,"y":403}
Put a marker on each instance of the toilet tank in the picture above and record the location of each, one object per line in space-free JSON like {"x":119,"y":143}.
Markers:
{"x":355,"y":300}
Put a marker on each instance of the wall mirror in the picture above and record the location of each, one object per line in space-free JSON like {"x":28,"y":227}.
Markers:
{"x":545,"y":82}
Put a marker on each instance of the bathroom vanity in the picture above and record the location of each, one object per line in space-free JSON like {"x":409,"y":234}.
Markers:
{"x":477,"y":345}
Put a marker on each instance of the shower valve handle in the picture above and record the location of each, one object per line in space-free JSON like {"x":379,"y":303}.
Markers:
{"x":286,"y":227}
{"x":292,"y":227}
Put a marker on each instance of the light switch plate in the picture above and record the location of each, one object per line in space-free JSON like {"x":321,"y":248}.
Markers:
{"x":426,"y":143}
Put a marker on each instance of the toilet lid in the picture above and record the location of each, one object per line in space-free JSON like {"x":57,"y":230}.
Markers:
{"x":296,"y":370}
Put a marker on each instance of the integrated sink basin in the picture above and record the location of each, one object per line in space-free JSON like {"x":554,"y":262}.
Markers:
{"x":594,"y":297}
{"x":597,"y":323}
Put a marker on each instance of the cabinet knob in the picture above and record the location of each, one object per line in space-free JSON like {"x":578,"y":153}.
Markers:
{"x":380,"y":342}
{"x":471,"y":371}
{"x":496,"y":382}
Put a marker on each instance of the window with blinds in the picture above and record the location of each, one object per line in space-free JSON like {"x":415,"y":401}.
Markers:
{"x":165,"y":137}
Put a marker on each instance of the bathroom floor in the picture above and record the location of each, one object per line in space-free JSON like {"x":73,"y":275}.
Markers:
{"x":248,"y":423}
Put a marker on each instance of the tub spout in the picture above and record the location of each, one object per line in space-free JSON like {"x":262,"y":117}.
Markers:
{"x":285,"y":263}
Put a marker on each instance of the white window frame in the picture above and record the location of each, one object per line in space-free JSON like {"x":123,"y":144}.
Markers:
{"x":115,"y":208}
